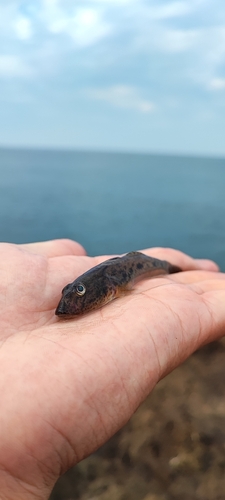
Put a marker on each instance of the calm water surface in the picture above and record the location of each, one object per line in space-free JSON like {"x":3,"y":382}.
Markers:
{"x":114,"y":203}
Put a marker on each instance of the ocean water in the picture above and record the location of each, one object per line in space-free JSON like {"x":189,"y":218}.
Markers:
{"x":114,"y":203}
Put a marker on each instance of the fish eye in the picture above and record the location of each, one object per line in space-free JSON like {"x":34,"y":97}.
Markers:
{"x":80,"y":289}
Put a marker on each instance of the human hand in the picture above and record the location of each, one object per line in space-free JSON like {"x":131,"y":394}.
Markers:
{"x":67,"y":386}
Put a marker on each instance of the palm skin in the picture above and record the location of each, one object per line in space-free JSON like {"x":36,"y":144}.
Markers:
{"x":67,"y":386}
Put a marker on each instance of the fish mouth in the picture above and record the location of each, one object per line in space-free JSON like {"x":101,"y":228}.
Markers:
{"x":61,"y":310}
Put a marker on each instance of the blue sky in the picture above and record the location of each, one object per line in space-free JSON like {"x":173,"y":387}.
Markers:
{"x":123,"y":75}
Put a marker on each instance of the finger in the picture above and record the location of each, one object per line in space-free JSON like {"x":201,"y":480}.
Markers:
{"x":189,"y":277}
{"x":55,"y":248}
{"x":195,"y":280}
{"x":207,"y":264}
{"x":184,"y":261}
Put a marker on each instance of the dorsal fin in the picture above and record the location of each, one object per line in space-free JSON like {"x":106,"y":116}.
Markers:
{"x":133,"y":254}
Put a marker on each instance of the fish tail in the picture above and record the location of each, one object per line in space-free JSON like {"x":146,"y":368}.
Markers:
{"x":173,"y":269}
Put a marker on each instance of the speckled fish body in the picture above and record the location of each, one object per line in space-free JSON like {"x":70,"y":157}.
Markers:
{"x":107,"y":281}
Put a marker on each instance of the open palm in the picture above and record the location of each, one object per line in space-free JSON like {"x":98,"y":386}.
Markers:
{"x":67,"y":386}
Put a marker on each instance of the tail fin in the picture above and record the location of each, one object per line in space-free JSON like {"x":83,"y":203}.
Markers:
{"x":174,"y":269}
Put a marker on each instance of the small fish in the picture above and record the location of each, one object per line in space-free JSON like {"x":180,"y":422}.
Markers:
{"x":108,"y":281}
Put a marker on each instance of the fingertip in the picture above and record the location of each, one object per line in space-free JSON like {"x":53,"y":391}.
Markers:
{"x":207,"y":265}
{"x":72,"y":247}
{"x":182,"y":260}
{"x":55,"y":248}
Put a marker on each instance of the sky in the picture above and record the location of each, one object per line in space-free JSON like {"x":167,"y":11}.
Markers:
{"x":118,"y":75}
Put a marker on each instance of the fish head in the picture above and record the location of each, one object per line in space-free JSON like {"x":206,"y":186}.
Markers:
{"x":73,"y":300}
{"x":83,"y":295}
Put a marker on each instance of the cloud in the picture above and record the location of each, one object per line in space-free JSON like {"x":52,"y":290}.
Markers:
{"x":177,"y":40}
{"x":106,"y":34}
{"x":122,"y":96}
{"x":84,"y":25}
{"x":11,"y":66}
{"x":165,"y":10}
{"x":217,"y":84}
{"x":23,"y":27}
{"x":169,"y":10}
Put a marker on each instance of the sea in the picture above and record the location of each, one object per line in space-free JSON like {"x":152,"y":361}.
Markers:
{"x":114,"y":203}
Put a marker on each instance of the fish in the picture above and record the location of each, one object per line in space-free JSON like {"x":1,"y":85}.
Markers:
{"x":107,"y":281}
